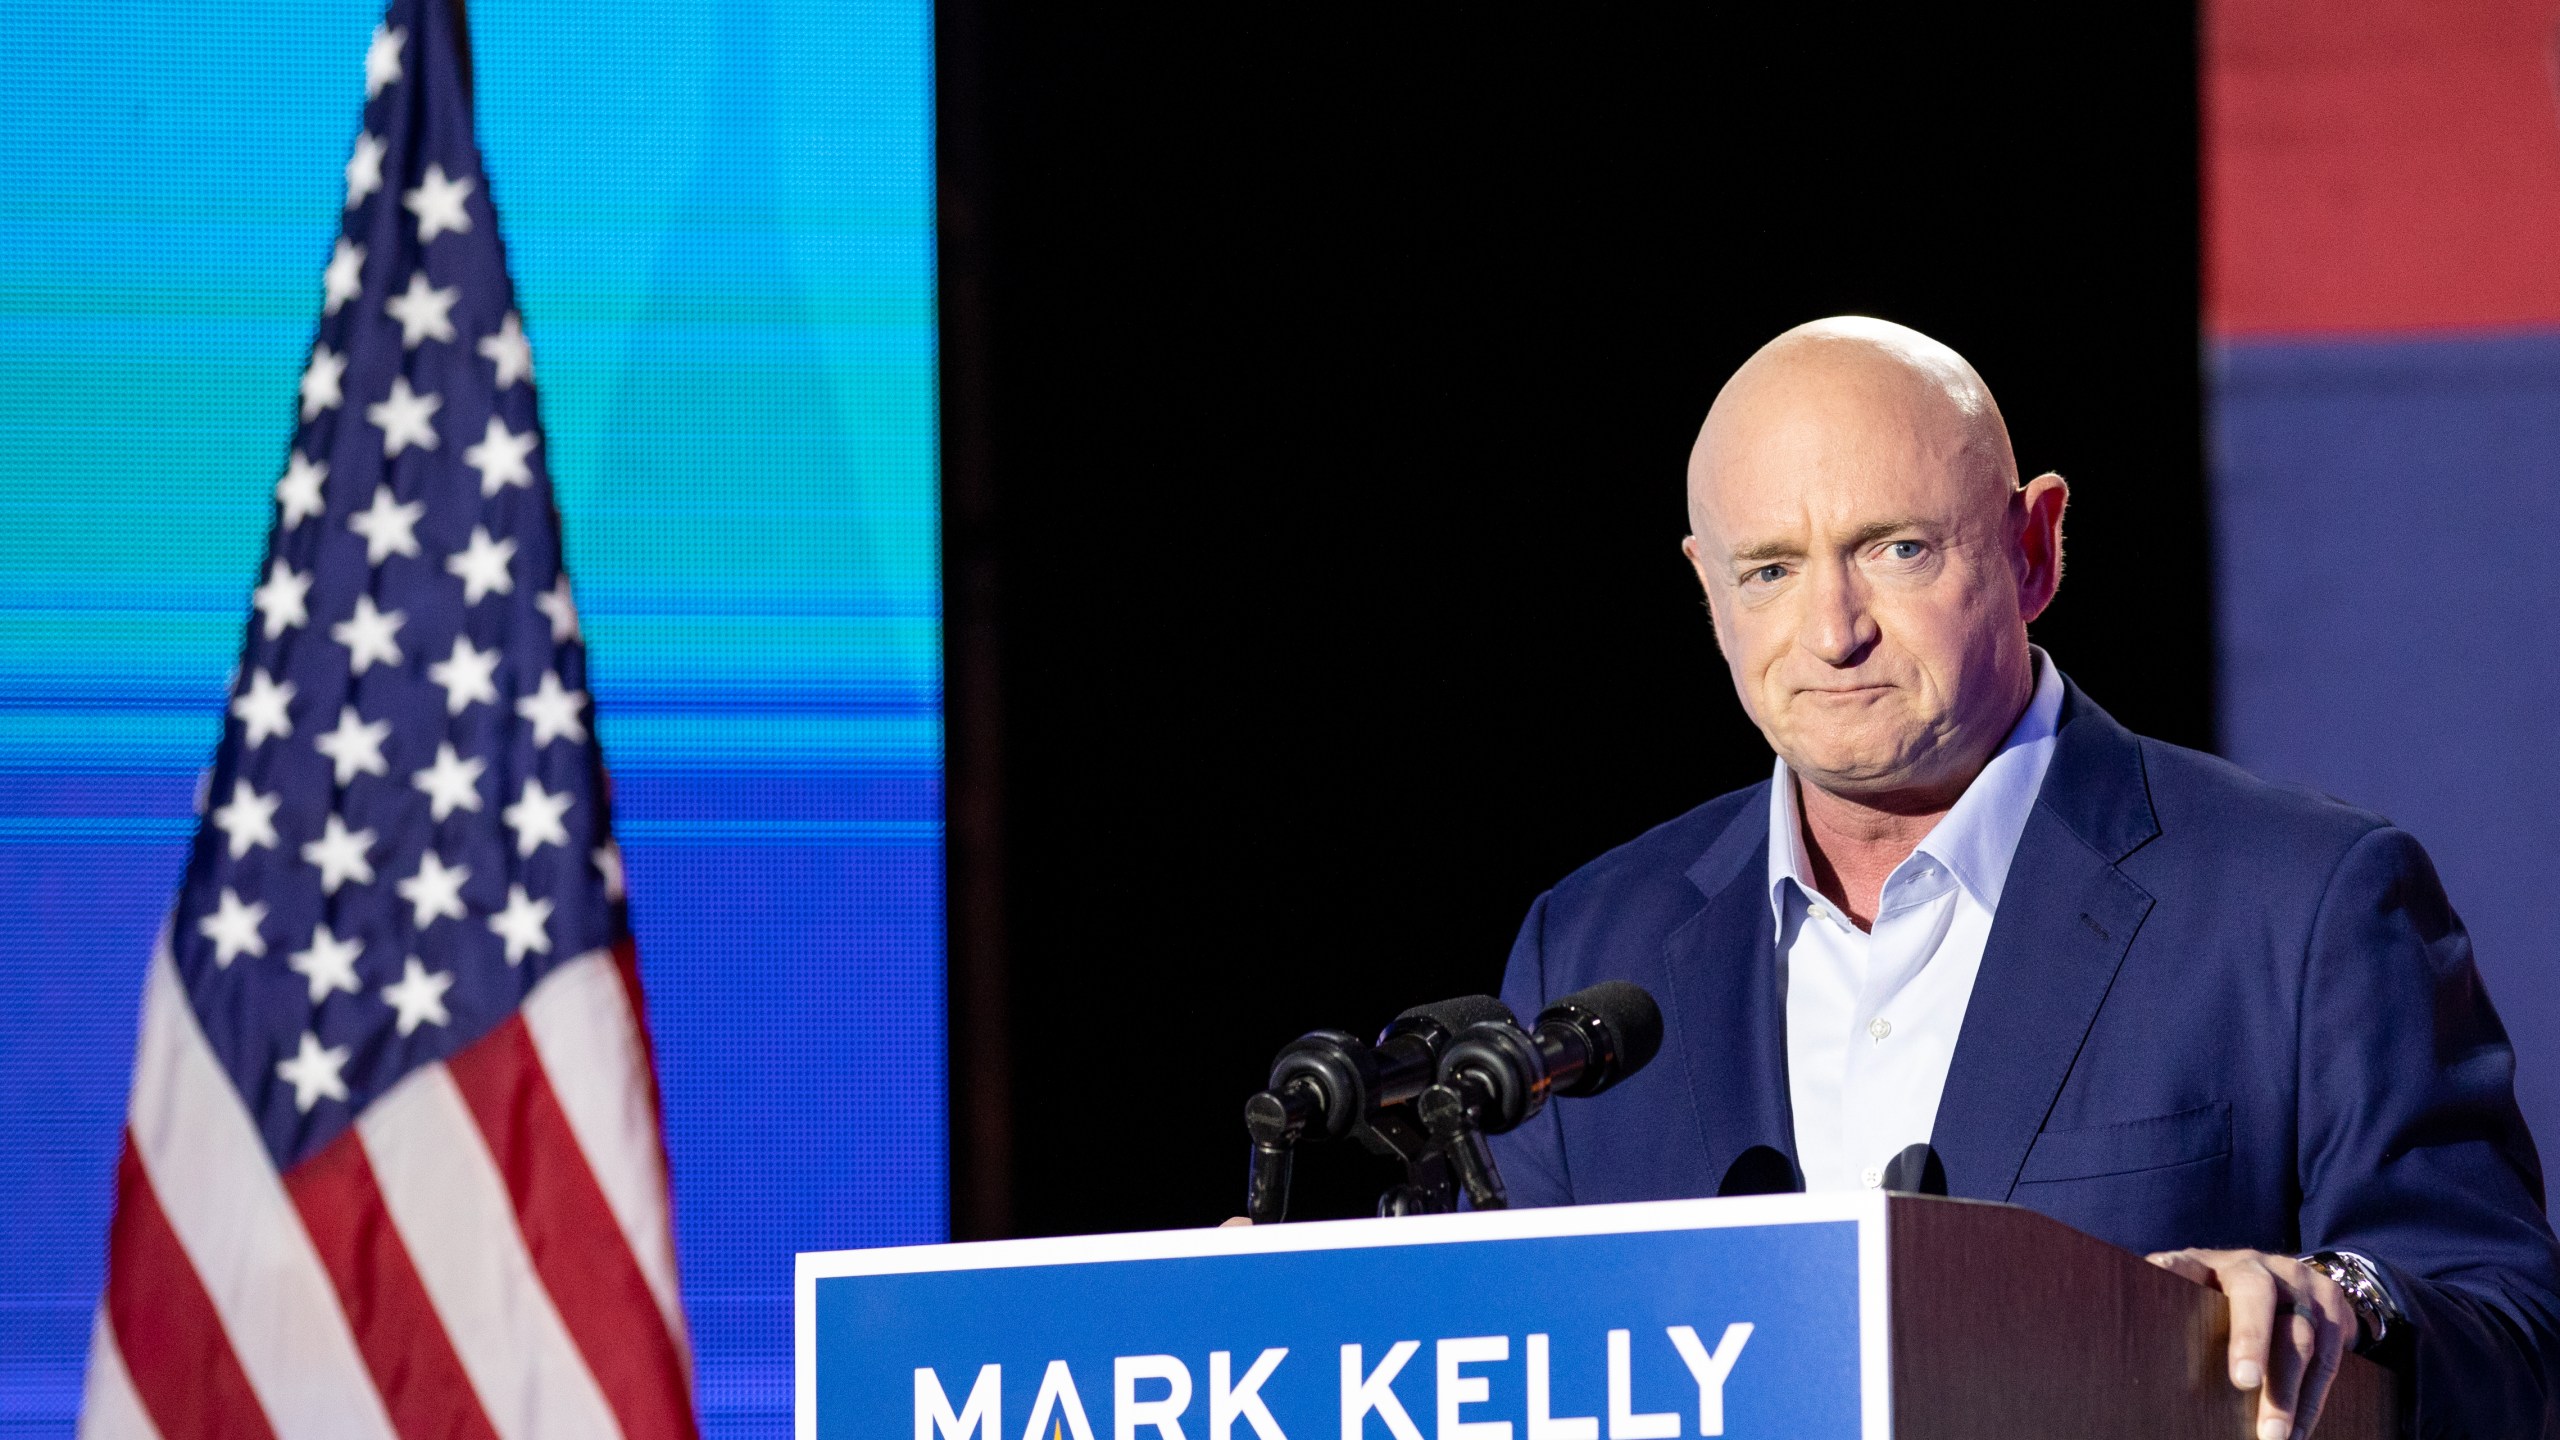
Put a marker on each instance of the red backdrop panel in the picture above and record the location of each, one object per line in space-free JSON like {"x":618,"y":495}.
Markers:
{"x":2381,"y":165}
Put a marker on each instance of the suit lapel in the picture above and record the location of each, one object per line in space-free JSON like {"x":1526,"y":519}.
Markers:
{"x":2066,"y":917}
{"x":1727,"y":1015}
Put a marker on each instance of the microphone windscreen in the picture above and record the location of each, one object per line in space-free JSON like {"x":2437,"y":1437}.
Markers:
{"x":1632,"y":1018}
{"x":1462,"y":1011}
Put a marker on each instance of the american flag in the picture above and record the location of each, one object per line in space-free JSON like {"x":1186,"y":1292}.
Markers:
{"x":392,"y":1163}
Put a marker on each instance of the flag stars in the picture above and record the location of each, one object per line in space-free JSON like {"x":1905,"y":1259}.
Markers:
{"x":525,"y":925}
{"x":437,"y":202}
{"x":500,"y":457}
{"x":370,"y":635}
{"x":553,"y":709}
{"x":249,"y":820}
{"x":482,"y":566}
{"x":405,"y":417}
{"x":424,"y":312}
{"x":364,"y":169}
{"x":264,"y":710}
{"x":467,"y":675}
{"x":329,"y":966}
{"x":344,"y":279}
{"x":298,"y":496}
{"x":235,"y":928}
{"x":388,"y":526}
{"x":281,"y":600}
{"x":556,"y":603}
{"x":509,"y":351}
{"x":323,"y":381}
{"x":419,"y":996}
{"x":340,"y":855}
{"x":452,"y":783}
{"x":382,"y":70}
{"x":355,"y":747}
{"x":535,"y":817}
{"x":313,"y":1072}
{"x":435,"y":891}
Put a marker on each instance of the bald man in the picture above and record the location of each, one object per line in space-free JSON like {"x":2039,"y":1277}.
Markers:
{"x":2233,"y":1027}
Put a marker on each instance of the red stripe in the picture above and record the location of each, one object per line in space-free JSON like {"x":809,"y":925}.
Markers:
{"x":570,"y":1231}
{"x":173,"y":1342}
{"x":404,"y":1344}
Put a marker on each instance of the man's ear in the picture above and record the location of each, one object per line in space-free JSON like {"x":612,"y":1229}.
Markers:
{"x":2037,"y":542}
{"x":1696,"y":552}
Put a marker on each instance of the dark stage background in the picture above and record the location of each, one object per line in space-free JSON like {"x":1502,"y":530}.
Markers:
{"x":1317,"y":394}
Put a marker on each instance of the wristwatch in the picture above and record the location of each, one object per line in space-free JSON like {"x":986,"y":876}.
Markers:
{"x":2363,"y":1283}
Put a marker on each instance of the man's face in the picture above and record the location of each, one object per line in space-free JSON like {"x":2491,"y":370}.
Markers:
{"x":1865,"y":577}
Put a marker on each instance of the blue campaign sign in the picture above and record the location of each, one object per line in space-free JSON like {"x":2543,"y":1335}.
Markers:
{"x":1757,"y":1316}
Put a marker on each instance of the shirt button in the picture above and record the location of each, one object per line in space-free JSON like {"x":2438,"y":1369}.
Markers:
{"x":1871,"y":1177}
{"x":1879,"y":1027}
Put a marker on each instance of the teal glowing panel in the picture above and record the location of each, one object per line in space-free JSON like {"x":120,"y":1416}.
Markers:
{"x":720,"y":220}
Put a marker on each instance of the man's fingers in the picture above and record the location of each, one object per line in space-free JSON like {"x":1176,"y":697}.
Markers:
{"x":2252,"y":1292}
{"x":2324,"y":1368}
{"x":2185,"y":1264}
{"x":2295,"y":1348}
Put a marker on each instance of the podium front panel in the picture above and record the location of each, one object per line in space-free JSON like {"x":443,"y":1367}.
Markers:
{"x":1749,"y":1317}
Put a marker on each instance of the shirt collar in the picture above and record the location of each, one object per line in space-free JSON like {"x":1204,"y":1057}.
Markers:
{"x":1976,"y":839}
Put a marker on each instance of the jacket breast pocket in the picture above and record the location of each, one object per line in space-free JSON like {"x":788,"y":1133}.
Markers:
{"x":2126,"y":1147}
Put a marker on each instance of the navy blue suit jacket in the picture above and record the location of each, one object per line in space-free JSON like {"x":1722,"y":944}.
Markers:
{"x":2211,"y":1012}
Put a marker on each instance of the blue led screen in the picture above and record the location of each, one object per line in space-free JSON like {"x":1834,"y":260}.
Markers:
{"x":720,"y":219}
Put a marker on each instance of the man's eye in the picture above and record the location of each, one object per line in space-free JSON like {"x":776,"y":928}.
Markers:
{"x":1905,"y":549}
{"x":1767,"y":574}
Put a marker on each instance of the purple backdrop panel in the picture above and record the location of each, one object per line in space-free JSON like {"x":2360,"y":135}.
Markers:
{"x":2388,"y":535}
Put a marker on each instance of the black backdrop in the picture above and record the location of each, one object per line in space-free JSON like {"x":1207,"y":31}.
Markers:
{"x":1317,"y":390}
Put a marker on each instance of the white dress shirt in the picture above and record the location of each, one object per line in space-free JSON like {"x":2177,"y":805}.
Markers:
{"x":1872,"y":1016}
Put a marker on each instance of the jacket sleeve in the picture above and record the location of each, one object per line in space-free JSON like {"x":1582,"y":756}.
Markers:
{"x":2412,"y":1151}
{"x":1531,"y":1158}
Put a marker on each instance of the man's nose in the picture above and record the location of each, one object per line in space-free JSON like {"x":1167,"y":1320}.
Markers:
{"x":1838,"y":628}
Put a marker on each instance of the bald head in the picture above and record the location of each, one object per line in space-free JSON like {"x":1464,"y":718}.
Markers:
{"x":1852,"y":372}
{"x":1870,"y":557}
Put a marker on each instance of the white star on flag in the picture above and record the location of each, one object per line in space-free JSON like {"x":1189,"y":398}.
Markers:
{"x":313,"y":1073}
{"x":234,"y":929}
{"x":330,"y":964}
{"x":364,"y":169}
{"x":553,"y":711}
{"x":249,"y":819}
{"x":468,"y":674}
{"x":509,"y":351}
{"x":389,"y":527}
{"x":280,"y":600}
{"x":355,"y":747}
{"x":452,"y":783}
{"x":340,"y":855}
{"x":608,"y":858}
{"x":369,"y":635}
{"x":436,"y":890}
{"x":344,"y":279}
{"x":419,"y":997}
{"x":424,"y":312}
{"x":482,"y":566}
{"x":500,"y":458}
{"x":262,"y":709}
{"x":320,"y":381}
{"x":404,"y":417}
{"x":382,"y":69}
{"x":437,"y":202}
{"x":535,"y":817}
{"x":298,"y":493}
{"x":525,"y":925}
{"x":555,"y":602}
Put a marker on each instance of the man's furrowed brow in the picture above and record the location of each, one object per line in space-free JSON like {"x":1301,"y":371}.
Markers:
{"x":1761,"y":551}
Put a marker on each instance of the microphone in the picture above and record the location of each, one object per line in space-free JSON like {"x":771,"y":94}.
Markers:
{"x":1496,"y":1076}
{"x":1329,"y":1083}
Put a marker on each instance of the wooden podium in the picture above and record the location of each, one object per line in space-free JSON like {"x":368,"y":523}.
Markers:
{"x":1875,"y":1316}
{"x":2007,"y":1323}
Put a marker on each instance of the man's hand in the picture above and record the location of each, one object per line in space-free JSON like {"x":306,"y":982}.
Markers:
{"x":2290,"y":1324}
